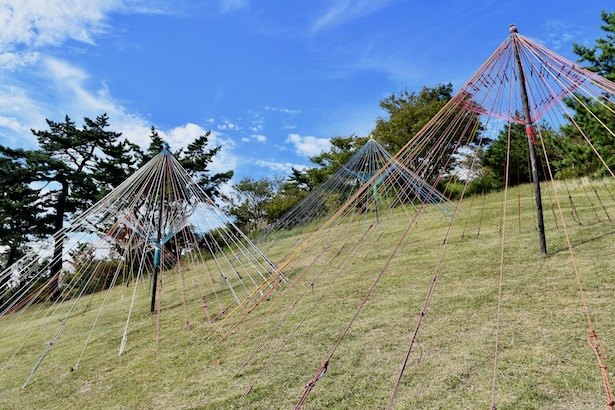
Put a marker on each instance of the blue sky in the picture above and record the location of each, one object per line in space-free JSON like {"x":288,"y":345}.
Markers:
{"x":273,"y":80}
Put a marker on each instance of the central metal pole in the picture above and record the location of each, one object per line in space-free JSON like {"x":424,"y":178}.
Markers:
{"x":158,"y":248}
{"x":531,"y":140}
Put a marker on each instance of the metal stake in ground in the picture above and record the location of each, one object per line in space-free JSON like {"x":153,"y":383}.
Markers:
{"x":531,"y":140}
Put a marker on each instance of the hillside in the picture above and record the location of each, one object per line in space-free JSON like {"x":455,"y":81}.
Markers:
{"x":544,"y":358}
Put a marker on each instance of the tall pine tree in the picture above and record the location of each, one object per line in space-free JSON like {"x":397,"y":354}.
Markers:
{"x":21,"y":214}
{"x":66,"y":162}
{"x":601,"y":57}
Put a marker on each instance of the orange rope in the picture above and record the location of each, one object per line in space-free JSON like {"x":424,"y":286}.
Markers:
{"x":594,"y":340}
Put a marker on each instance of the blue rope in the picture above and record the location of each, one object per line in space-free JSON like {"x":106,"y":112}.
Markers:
{"x":168,"y":238}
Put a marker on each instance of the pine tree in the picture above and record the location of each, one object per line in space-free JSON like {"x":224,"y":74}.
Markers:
{"x":154,"y":148}
{"x":196,"y":159}
{"x":601,"y":57}
{"x":119,"y":161}
{"x":77,"y":166}
{"x":66,"y":162}
{"x":577,"y":157}
{"x":20,"y":211}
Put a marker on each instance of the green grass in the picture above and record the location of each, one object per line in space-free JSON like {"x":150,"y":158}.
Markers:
{"x":544,"y":358}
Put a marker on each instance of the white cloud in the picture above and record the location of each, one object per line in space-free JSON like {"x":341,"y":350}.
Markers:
{"x":64,"y":71}
{"x":560,"y":34}
{"x":255,"y":137}
{"x":232,"y":5}
{"x":51,"y":22}
{"x":76,"y":99}
{"x":350,"y":119}
{"x":182,"y":135}
{"x":283,"y":110}
{"x":396,"y":68}
{"x":223,"y":161}
{"x":137,"y":130}
{"x":28,"y":26}
{"x":280,"y":166}
{"x":12,"y":124}
{"x":308,"y":146}
{"x":344,"y":11}
{"x":12,"y":61}
{"x":289,"y":126}
{"x":228,"y":125}
{"x":257,"y":121}
{"x":19,"y":112}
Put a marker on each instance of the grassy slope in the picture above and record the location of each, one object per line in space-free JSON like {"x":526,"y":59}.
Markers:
{"x":544,"y":355}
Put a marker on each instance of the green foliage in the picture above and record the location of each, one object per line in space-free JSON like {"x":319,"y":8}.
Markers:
{"x":76,"y":166}
{"x":117,"y":163}
{"x":300,"y":180}
{"x":196,"y":159}
{"x":573,"y":154}
{"x":66,"y":161}
{"x":519,"y":171}
{"x":20,"y":210}
{"x":289,"y":193}
{"x":155,"y":146}
{"x":91,"y":270}
{"x":555,"y":370}
{"x":213,"y":241}
{"x":76,"y":153}
{"x":601,"y":57}
{"x":570,"y":154}
{"x":486,"y":181}
{"x":281,"y":196}
{"x":575,"y":157}
{"x":328,"y":162}
{"x":69,"y":161}
{"x":410,"y":112}
{"x":249,"y":205}
{"x":451,"y":187}
{"x":407,"y":113}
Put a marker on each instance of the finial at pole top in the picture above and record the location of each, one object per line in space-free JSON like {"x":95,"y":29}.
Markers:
{"x":165,"y":147}
{"x":371,"y":136}
{"x":512,"y":28}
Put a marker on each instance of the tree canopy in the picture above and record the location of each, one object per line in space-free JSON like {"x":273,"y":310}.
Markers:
{"x":72,"y":168}
{"x":407,"y":113}
{"x":601,"y":57}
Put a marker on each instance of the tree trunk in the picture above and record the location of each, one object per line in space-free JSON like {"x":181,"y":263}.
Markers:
{"x":11,"y":258}
{"x":56,"y":264}
{"x":13,"y":255}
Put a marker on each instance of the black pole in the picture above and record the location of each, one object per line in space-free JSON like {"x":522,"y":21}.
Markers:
{"x":529,"y":131}
{"x":158,"y":250}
